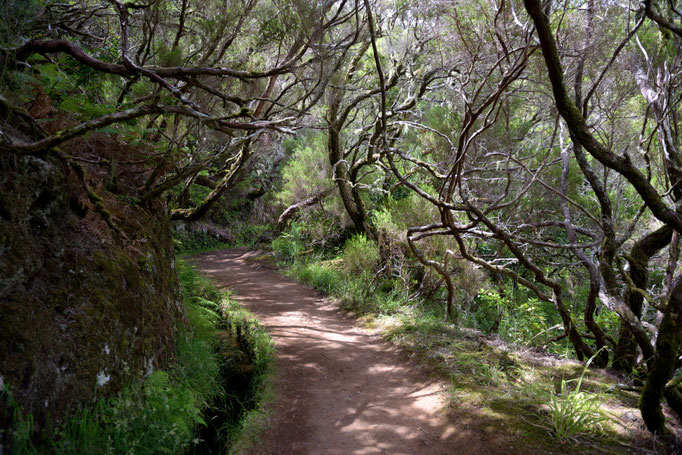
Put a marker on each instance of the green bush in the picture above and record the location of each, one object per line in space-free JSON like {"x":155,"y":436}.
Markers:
{"x":187,"y":242}
{"x":320,"y":277}
{"x":248,"y":234}
{"x":286,"y":248}
{"x":487,"y":305}
{"x":307,"y":171}
{"x":289,"y":244}
{"x":525,"y":320}
{"x":16,"y":18}
{"x":360,"y":255}
{"x":160,"y":416}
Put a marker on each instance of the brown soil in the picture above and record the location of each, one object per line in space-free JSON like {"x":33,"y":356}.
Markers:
{"x":340,"y":388}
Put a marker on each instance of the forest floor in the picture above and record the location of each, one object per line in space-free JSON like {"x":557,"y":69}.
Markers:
{"x":342,"y":389}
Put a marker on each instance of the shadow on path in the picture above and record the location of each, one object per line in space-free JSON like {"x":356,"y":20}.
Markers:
{"x":342,"y":390}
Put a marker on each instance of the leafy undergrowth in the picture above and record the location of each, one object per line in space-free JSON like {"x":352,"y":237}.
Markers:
{"x":208,"y":237}
{"x":236,"y":419}
{"x":542,"y":399}
{"x":210,"y":400}
{"x":187,"y":243}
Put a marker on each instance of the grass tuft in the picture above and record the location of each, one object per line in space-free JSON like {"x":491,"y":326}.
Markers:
{"x":575,"y":412}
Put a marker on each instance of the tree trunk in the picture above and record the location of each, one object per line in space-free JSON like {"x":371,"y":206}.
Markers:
{"x":349,"y":197}
{"x":673,"y":395}
{"x":663,"y":365}
{"x":626,"y":350}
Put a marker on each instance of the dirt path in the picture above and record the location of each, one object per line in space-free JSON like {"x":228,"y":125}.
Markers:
{"x":342,"y":390}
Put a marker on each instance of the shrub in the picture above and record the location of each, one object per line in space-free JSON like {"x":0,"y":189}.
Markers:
{"x":360,"y":255}
{"x":286,"y":248}
{"x":248,"y":234}
{"x":307,"y":171}
{"x":320,"y":277}
{"x":157,"y":417}
{"x":187,"y":241}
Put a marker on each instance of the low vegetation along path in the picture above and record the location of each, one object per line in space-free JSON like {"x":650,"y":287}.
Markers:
{"x":340,"y":388}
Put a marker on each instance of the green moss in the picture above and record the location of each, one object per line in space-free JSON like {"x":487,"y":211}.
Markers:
{"x":79,"y":303}
{"x":163,"y":413}
{"x":94,"y":197}
{"x":80,"y":171}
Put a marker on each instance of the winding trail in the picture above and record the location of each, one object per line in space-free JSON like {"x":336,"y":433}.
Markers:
{"x":341,"y":389}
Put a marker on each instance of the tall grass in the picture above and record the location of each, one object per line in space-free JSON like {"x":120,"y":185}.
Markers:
{"x":574,"y":412}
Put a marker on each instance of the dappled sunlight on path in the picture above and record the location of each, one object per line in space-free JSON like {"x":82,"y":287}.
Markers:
{"x":341,"y":389}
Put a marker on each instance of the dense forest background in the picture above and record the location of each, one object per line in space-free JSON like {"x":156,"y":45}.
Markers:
{"x":515,"y":165}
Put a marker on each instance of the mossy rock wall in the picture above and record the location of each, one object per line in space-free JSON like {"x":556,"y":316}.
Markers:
{"x":83,"y":309}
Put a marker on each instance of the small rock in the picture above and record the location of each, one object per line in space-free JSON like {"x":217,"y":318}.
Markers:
{"x":629,"y":415}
